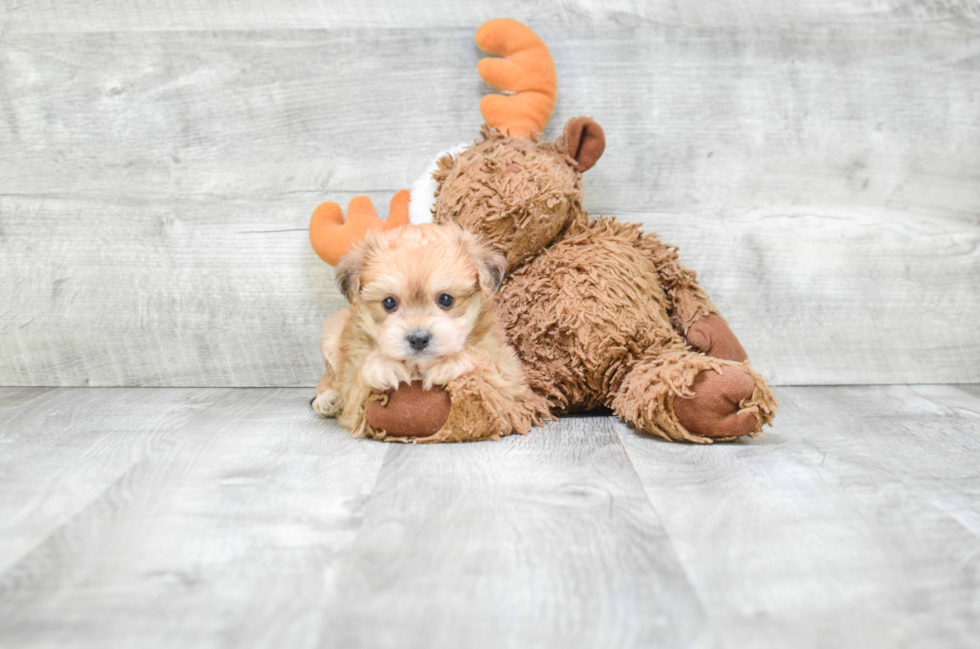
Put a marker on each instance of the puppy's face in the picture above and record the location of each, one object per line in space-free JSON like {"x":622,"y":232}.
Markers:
{"x":420,"y":290}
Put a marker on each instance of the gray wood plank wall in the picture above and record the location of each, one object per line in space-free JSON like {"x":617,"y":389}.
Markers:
{"x":817,"y":161}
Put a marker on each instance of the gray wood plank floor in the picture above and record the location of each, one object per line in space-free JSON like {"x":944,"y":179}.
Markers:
{"x":235,"y":518}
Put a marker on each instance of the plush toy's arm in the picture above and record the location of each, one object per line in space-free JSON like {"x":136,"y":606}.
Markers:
{"x":688,"y":301}
{"x":467,"y":409}
{"x":691,"y":311}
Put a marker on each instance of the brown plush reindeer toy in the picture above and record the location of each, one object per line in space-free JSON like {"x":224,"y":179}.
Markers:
{"x":600,"y":313}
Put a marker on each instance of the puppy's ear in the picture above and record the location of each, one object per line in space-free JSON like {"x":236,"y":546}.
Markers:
{"x":490,"y":264}
{"x":350,"y":266}
{"x":348,"y":273}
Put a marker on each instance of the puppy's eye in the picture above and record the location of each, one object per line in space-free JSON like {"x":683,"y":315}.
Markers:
{"x":389,"y":303}
{"x":445,"y":300}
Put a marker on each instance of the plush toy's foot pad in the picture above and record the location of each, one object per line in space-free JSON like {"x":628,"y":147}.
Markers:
{"x":410,"y":411}
{"x":713,"y":411}
{"x":712,"y":337}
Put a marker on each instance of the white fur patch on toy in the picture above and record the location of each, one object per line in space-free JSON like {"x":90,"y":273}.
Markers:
{"x":423,"y":195}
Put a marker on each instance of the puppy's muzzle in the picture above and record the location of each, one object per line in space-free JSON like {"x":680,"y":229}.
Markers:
{"x":418,"y":340}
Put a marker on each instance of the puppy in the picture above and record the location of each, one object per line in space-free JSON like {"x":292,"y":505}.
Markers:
{"x":420,"y":310}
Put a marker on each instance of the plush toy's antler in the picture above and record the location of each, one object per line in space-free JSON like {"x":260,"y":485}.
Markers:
{"x":527,"y":76}
{"x":332,"y":237}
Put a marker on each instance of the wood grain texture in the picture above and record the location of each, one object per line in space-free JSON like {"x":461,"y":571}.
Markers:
{"x":541,"y":541}
{"x":816,"y":162}
{"x":855,"y":523}
{"x":228,"y":534}
{"x":61,"y":449}
{"x":74,"y":16}
{"x":970,"y":389}
{"x":199,"y":518}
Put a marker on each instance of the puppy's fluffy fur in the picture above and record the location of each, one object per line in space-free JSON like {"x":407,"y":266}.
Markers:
{"x":420,"y":309}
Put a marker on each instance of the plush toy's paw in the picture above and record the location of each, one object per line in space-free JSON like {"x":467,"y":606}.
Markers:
{"x":327,"y":403}
{"x":410,"y":411}
{"x":713,"y":411}
{"x":712,"y":337}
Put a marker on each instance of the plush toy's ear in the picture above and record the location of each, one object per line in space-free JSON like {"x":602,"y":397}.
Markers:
{"x":584,"y":141}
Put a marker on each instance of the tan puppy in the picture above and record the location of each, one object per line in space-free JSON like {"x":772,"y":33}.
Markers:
{"x":420,"y":310}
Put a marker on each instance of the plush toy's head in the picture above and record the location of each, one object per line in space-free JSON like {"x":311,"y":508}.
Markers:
{"x":511,"y":188}
{"x":517,"y":193}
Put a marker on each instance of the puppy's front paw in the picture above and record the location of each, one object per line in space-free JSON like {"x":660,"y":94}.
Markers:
{"x":384,"y":374}
{"x":327,"y":403}
{"x":445,"y":372}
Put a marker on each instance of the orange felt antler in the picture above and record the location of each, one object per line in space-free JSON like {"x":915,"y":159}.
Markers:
{"x":527,"y":74}
{"x":332,"y":237}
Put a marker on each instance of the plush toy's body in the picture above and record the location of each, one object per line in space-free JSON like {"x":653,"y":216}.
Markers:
{"x":597,"y":310}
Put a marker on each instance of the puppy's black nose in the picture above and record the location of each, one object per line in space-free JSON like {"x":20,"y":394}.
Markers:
{"x":419,"y":340}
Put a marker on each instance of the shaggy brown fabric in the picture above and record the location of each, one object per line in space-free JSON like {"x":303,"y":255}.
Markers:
{"x":520,"y":211}
{"x":660,"y":383}
{"x":597,"y":310}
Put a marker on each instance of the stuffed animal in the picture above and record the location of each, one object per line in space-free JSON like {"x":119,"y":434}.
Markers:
{"x":600,"y":313}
